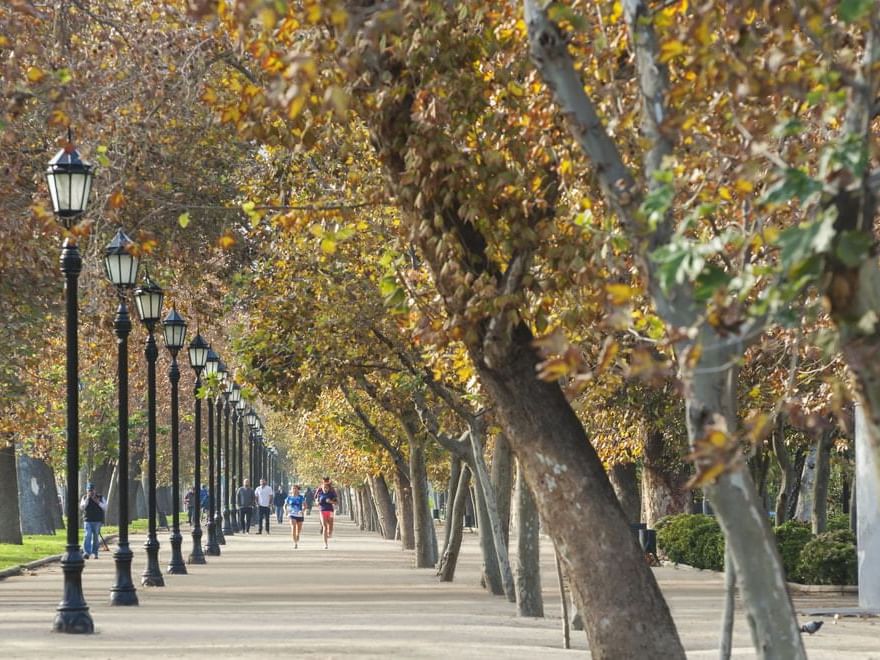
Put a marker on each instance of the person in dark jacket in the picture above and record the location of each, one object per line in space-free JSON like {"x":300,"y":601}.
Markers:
{"x":280,"y":497}
{"x":94,"y":506}
{"x":244,"y":498}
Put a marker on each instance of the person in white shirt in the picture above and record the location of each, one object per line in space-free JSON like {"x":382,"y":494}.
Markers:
{"x":264,"y":496}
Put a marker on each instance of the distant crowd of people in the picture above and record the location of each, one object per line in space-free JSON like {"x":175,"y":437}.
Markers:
{"x":297,"y":504}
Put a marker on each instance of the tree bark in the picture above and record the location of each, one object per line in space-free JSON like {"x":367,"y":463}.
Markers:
{"x":819,"y":519}
{"x":362,"y":508}
{"x":502,"y":483}
{"x":405,"y":513}
{"x":804,"y":509}
{"x":726,"y":645}
{"x":455,"y":467}
{"x":786,"y":470}
{"x":369,"y":508}
{"x":626,"y":487}
{"x":492,"y":519}
{"x":37,"y":496}
{"x":423,"y":524}
{"x":563,"y":599}
{"x":384,"y":506}
{"x":580,"y":511}
{"x":529,"y":601}
{"x":664,"y":479}
{"x":455,"y":523}
{"x":10,"y":516}
{"x":491,"y":576}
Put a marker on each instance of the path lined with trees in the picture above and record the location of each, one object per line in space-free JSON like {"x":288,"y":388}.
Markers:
{"x":363,"y":597}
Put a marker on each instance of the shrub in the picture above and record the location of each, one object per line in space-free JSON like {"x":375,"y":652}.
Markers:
{"x":830,"y":558}
{"x":791,"y":537}
{"x":693,"y":539}
{"x":837,"y":522}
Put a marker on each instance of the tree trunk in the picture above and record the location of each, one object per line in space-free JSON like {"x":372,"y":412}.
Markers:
{"x":710,"y":402}
{"x":502,"y":483}
{"x":37,"y":496}
{"x":405,"y":513}
{"x":664,"y":490}
{"x":786,"y":470}
{"x":455,"y":468}
{"x":820,"y":483}
{"x":361,"y":507}
{"x":423,"y":524}
{"x":491,"y":518}
{"x":579,"y":509}
{"x":805,"y":503}
{"x":384,"y":506}
{"x":729,"y":606}
{"x":111,"y":516}
{"x":455,"y":523}
{"x":10,"y":517}
{"x":626,"y":487}
{"x":491,"y":576}
{"x":529,"y":601}
{"x":369,"y":508}
{"x":563,"y":599}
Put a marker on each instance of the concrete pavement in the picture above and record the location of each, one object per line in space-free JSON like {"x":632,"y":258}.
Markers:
{"x":361,"y":598}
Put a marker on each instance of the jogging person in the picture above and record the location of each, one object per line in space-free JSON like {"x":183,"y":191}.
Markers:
{"x":265,"y":497}
{"x":294,"y":503}
{"x":325,"y":496}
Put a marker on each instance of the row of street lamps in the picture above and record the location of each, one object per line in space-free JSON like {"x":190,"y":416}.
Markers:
{"x":70,"y":180}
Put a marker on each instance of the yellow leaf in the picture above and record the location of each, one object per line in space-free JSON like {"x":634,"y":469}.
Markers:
{"x":515,"y":89}
{"x":565,"y":167}
{"x":328,"y":246}
{"x":35,"y":74}
{"x":743,"y":186}
{"x":619,"y":294}
{"x":616,"y":11}
{"x":226,"y":241}
{"x":296,"y":106}
{"x":724,"y":193}
{"x":670,"y":50}
{"x":717,"y":438}
{"x":116,"y":200}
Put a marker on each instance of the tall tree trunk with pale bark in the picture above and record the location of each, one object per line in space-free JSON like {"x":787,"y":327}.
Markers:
{"x":529,"y":601}
{"x":502,"y":483}
{"x":664,"y":479}
{"x":626,"y":487}
{"x":384,"y":506}
{"x":455,"y":523}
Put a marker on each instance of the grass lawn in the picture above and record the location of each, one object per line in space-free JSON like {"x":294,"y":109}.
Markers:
{"x":44,"y":545}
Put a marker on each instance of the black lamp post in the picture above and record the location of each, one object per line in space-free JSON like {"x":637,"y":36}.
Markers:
{"x":121,"y":268}
{"x":240,"y":406}
{"x":234,"y":401}
{"x":70,"y":181}
{"x":148,"y":297}
{"x":212,"y":366}
{"x":198,"y":357}
{"x":218,"y":508}
{"x":227,"y":500}
{"x":174,"y":331}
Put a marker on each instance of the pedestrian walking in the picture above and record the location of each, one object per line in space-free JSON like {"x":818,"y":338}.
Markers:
{"x":204,"y":500}
{"x":265,"y":497}
{"x":190,"y":504}
{"x":310,"y":499}
{"x":280,"y":496}
{"x":327,"y":500}
{"x":244,"y":499}
{"x":295,"y":503}
{"x":93,"y":506}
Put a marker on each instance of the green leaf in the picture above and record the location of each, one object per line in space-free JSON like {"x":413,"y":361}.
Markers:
{"x":709,"y":281}
{"x":795,"y":184}
{"x":853,"y":10}
{"x":804,"y":241}
{"x":183,"y":220}
{"x":852,"y":247}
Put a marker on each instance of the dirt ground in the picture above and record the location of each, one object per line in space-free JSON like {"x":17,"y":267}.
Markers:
{"x":361,"y":598}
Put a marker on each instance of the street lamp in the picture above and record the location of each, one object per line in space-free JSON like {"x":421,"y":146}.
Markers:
{"x":70,"y":180}
{"x":212,"y":368}
{"x":227,"y":500}
{"x":174,"y":331}
{"x":234,"y":400}
{"x":219,"y":531}
{"x":198,"y":358}
{"x":240,"y":406}
{"x":121,"y":267}
{"x":148,"y":298}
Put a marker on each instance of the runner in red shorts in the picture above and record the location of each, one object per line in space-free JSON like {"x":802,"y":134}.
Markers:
{"x":325,"y":496}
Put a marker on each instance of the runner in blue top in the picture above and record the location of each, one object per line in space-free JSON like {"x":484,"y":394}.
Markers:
{"x":294,"y":504}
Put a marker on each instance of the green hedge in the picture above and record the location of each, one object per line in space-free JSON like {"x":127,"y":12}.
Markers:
{"x":829,"y":558}
{"x":693,"y":539}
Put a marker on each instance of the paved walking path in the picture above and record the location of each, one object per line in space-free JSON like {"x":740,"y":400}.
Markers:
{"x":360,"y":598}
